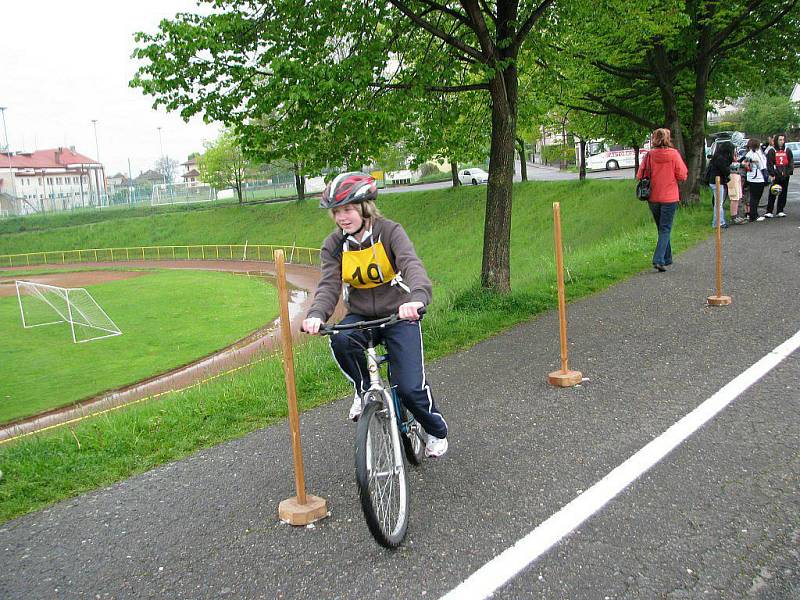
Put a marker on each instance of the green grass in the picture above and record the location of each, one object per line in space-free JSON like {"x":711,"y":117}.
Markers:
{"x":168,"y":318}
{"x":608,"y":235}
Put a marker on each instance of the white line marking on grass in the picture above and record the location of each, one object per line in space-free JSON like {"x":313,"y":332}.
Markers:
{"x":504,"y":567}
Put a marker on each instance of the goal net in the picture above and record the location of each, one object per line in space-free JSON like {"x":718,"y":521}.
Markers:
{"x":181,"y":193}
{"x":41,"y":304}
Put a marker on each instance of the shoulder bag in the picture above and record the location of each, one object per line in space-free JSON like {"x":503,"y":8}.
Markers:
{"x":643,"y":185}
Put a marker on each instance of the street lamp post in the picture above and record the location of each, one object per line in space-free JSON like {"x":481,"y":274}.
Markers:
{"x":5,"y":131}
{"x":8,"y":151}
{"x":161,"y":146}
{"x":96,"y":175}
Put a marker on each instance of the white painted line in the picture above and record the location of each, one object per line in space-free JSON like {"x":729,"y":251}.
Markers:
{"x":507,"y":565}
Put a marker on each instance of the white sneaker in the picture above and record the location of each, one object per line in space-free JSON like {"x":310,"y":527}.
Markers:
{"x":769,"y":215}
{"x":761,"y":218}
{"x":435,"y":447}
{"x":781,"y":214}
{"x":355,"y":408}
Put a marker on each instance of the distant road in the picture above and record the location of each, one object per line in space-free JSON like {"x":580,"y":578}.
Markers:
{"x":536,"y":172}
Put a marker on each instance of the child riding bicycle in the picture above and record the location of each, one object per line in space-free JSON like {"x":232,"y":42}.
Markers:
{"x":371,"y":261}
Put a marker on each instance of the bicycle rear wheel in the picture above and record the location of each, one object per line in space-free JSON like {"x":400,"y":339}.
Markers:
{"x":381,"y":478}
{"x":413,"y":439}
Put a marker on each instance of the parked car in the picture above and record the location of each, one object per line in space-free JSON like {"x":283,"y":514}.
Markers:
{"x":473,"y":176}
{"x":740,"y":143}
{"x":795,"y":148}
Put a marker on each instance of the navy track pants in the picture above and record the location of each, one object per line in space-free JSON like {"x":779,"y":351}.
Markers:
{"x":403,"y":340}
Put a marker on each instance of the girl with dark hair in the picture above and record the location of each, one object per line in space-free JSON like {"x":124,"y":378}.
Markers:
{"x":780,"y":163}
{"x":720,"y":166}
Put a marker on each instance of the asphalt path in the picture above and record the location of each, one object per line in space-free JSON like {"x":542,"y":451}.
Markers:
{"x":719,"y":517}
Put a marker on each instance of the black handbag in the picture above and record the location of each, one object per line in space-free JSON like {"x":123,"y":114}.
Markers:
{"x":643,"y":185}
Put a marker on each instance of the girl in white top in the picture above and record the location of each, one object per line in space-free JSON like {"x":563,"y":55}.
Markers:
{"x":756,"y":163}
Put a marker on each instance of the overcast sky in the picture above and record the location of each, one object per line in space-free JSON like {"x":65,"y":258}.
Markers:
{"x":63,"y":64}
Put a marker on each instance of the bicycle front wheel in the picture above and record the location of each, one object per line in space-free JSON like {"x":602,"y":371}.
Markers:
{"x":381,"y":476}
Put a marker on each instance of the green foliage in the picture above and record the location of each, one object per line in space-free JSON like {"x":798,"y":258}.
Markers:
{"x":684,"y":57}
{"x":393,"y":157}
{"x":224,"y":164}
{"x":427,"y":169}
{"x":556,"y":153}
{"x":765,"y":115}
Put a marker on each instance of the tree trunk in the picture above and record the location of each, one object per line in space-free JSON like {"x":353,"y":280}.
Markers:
{"x":635,"y":147}
{"x":582,"y":165}
{"x":672,"y":119}
{"x":523,"y":166}
{"x":495,"y":268}
{"x":454,"y":173}
{"x":695,"y":150}
{"x":239,"y":194}
{"x":299,"y":183}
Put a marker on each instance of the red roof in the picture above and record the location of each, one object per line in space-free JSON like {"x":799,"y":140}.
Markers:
{"x":53,"y":158}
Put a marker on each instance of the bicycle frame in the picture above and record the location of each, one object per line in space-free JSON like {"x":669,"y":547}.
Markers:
{"x":390,"y":400}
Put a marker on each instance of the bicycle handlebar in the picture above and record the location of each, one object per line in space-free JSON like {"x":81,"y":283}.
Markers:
{"x":390,"y":320}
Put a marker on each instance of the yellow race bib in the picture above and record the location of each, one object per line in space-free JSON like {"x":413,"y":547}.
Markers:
{"x":367,"y":268}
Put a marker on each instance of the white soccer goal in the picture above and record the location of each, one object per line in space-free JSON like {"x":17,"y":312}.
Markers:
{"x":181,"y":193}
{"x":41,"y":304}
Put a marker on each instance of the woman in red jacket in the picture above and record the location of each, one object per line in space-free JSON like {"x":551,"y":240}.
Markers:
{"x":665,"y":167}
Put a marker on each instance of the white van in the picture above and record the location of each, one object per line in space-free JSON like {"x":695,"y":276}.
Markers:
{"x":602,"y":156}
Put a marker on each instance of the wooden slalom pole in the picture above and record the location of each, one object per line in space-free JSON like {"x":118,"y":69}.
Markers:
{"x":719,"y":299}
{"x":564,"y":377}
{"x":301,"y":509}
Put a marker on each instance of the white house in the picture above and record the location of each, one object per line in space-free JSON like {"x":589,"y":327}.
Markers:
{"x":50,"y":180}
{"x":191,"y":176}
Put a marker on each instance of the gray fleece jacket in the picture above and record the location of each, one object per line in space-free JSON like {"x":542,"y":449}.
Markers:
{"x":379,"y":301}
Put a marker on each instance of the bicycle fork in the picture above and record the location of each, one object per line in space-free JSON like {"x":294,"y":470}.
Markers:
{"x":377,"y":385}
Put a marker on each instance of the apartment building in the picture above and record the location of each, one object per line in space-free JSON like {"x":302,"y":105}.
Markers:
{"x":50,"y":180}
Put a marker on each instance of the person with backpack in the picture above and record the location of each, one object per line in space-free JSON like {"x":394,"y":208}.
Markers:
{"x":719,"y":166}
{"x":780,"y":163}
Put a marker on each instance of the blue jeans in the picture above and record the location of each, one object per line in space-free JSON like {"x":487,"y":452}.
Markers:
{"x":663,"y":214}
{"x":722,"y":191}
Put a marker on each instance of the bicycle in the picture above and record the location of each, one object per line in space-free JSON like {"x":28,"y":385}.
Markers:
{"x":384,"y":425}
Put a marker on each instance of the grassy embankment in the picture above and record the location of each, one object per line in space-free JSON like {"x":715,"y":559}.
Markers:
{"x":168,"y":318}
{"x":608,"y":235}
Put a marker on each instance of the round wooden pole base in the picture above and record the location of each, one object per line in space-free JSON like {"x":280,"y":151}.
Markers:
{"x":719,"y":300}
{"x":294,"y":513}
{"x":565,"y":378}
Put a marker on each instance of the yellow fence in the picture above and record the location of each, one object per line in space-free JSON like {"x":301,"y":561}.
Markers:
{"x":294,"y":254}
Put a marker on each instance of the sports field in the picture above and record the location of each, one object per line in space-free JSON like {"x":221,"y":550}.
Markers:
{"x":168,"y":318}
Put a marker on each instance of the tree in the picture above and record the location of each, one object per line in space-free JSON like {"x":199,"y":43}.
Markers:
{"x":331,"y":76}
{"x":452,"y":128}
{"x":167,"y":167}
{"x":702,"y":51}
{"x":768,"y":114}
{"x":224,"y":165}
